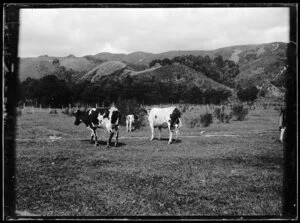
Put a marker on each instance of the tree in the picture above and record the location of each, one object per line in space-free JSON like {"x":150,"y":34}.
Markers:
{"x":28,"y":89}
{"x":53,"y":91}
{"x":56,"y":62}
{"x":166,"y":61}
{"x":248,"y":94}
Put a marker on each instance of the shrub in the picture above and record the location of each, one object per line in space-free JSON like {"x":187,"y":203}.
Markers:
{"x":206,"y":119}
{"x":228,"y":117}
{"x":53,"y":111}
{"x":221,"y":115}
{"x":239,"y":112}
{"x":193,"y":122}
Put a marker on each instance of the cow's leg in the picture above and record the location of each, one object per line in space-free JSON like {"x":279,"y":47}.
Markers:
{"x":177,"y":133}
{"x":281,"y":134}
{"x":152,"y":131}
{"x":95,"y":134}
{"x":127,"y":125}
{"x":117,"y":136}
{"x":111,"y":134}
{"x":159,"y":132}
{"x":92,"y":134}
{"x":171,"y":134}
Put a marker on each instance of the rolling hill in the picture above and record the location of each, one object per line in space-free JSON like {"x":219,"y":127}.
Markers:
{"x":175,"y":74}
{"x":258,"y":64}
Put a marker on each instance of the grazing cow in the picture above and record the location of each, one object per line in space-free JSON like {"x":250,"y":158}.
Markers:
{"x":130,"y":121}
{"x":164,"y":118}
{"x":282,"y":124}
{"x":94,"y":118}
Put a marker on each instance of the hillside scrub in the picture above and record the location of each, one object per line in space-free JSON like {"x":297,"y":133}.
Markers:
{"x":163,"y":86}
{"x":218,"y":69}
{"x":239,"y":112}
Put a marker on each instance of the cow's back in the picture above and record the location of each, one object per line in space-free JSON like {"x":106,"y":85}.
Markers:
{"x":158,"y":116}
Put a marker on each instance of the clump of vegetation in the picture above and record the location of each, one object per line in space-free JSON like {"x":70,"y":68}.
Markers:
{"x":53,"y":111}
{"x":248,"y":94}
{"x":206,"y":119}
{"x":228,"y":117}
{"x":239,"y":112}
{"x":193,"y":122}
{"x":127,"y":107}
{"x":221,"y":115}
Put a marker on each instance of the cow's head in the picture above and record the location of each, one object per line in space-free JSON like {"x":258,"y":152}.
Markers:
{"x":115,"y":117}
{"x":78,"y":115}
{"x":136,"y":117}
{"x":175,"y":116}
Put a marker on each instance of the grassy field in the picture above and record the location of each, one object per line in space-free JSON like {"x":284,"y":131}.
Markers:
{"x":234,"y":169}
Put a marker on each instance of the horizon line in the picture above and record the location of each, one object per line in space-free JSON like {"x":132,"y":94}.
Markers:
{"x":138,"y":51}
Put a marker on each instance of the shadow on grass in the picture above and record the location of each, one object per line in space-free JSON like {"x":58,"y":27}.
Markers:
{"x":102,"y":143}
{"x":167,"y":139}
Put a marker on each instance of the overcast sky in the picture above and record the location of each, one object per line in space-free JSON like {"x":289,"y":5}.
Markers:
{"x":88,"y":31}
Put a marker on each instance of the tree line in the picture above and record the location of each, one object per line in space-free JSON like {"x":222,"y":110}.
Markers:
{"x":61,"y":88}
{"x":50,"y":90}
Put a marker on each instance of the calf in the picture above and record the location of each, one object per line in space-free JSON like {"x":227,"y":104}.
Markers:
{"x":130,"y":121}
{"x":94,"y":118}
{"x":165,"y":118}
{"x":282,"y":124}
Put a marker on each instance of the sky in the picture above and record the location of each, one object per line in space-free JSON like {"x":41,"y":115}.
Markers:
{"x":88,"y":31}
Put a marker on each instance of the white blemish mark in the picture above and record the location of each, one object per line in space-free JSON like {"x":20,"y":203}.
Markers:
{"x":54,"y":137}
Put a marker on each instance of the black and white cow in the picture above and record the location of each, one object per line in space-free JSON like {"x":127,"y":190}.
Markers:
{"x":130,"y":122}
{"x":282,"y":124}
{"x":108,"y":118}
{"x":164,"y":118}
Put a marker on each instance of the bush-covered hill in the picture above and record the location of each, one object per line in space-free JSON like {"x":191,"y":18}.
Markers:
{"x":234,"y":66}
{"x":104,"y":69}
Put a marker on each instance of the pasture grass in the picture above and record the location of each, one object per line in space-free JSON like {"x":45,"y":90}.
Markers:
{"x":198,"y":176}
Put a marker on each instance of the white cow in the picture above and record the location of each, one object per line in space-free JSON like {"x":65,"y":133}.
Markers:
{"x":130,"y":121}
{"x":164,"y":118}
